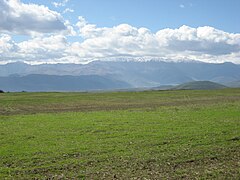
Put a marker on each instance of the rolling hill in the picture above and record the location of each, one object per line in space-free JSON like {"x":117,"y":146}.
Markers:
{"x":199,"y":85}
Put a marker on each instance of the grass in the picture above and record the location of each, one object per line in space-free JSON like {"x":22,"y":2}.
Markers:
{"x":120,"y":135}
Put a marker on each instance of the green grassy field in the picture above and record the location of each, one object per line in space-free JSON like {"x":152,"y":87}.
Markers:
{"x":120,"y":135}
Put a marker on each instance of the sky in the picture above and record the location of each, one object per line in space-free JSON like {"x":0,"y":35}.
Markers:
{"x":81,"y":31}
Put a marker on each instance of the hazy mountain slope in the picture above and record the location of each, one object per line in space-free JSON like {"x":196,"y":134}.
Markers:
{"x":59,"y":83}
{"x":234,"y":84}
{"x":221,"y":73}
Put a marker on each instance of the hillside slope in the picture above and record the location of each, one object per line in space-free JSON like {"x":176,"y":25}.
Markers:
{"x":195,"y":85}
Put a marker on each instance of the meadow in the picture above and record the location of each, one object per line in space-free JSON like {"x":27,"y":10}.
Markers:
{"x":175,"y":134}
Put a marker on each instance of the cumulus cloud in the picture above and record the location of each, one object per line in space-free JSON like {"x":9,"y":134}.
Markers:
{"x":6,"y":43}
{"x":201,"y":43}
{"x":43,"y":49}
{"x":8,"y":49}
{"x":20,"y":18}
{"x":205,"y":40}
{"x":125,"y":41}
{"x":38,"y":49}
{"x":69,"y":29}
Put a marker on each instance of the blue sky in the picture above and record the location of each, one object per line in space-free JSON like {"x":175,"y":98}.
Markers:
{"x":155,"y":14}
{"x":80,"y":31}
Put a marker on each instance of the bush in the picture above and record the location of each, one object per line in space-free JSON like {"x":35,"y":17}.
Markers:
{"x":1,"y":91}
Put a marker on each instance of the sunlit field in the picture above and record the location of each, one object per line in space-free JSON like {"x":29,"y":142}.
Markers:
{"x":120,"y":135}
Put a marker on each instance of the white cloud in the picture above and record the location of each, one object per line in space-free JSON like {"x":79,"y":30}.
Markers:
{"x":51,"y":44}
{"x":5,"y":43}
{"x":70,"y":30}
{"x":20,"y":18}
{"x":39,"y":49}
{"x":205,"y":40}
{"x":8,"y":48}
{"x":60,"y":4}
{"x":68,"y":10}
{"x":203,"y":43}
{"x":185,"y":43}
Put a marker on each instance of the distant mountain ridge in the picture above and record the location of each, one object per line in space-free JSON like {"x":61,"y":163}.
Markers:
{"x":130,"y":74}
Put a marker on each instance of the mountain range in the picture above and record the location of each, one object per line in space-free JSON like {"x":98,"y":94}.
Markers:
{"x":110,"y":75}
